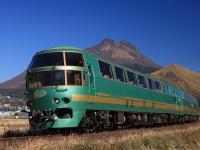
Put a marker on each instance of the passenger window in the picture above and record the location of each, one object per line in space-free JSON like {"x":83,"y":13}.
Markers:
{"x":74,"y":59}
{"x":170,"y":91}
{"x":150,"y":84}
{"x":120,"y":75}
{"x":142,"y":81}
{"x":74,"y":77}
{"x":165,"y":89}
{"x":158,"y":86}
{"x":132,"y":78}
{"x":182,"y":94}
{"x":105,"y":70}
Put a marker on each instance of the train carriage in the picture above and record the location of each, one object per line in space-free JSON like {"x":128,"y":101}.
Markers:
{"x":70,"y":88}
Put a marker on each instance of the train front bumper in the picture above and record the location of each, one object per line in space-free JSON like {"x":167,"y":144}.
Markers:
{"x":51,"y":119}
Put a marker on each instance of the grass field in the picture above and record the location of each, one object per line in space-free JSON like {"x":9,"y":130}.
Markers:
{"x":13,"y":124}
{"x":180,"y":137}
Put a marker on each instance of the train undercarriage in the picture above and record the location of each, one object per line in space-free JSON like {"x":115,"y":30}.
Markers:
{"x":104,"y":120}
{"x":111,"y":120}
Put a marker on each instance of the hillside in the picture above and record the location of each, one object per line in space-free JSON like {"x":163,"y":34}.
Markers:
{"x":181,"y":77}
{"x":17,"y":82}
{"x":124,"y":53}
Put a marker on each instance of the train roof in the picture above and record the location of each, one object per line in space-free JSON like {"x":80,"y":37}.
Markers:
{"x":59,"y":48}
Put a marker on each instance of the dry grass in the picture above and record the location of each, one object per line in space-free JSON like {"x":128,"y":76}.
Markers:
{"x":13,"y":124}
{"x":183,"y":137}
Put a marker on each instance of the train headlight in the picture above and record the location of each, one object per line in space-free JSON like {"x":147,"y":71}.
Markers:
{"x":66,"y":100}
{"x":56,"y":100}
{"x":55,"y":118}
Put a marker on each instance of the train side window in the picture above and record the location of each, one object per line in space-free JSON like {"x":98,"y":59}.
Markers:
{"x":158,"y":86}
{"x":175,"y":94}
{"x":124,"y":73}
{"x":120,"y":74}
{"x":132,"y":78}
{"x":74,"y":77}
{"x":170,"y":91}
{"x":150,"y":84}
{"x":165,"y":88}
{"x":182,"y":94}
{"x":188,"y":97}
{"x":142,"y":81}
{"x":105,"y":69}
{"x":179,"y":92}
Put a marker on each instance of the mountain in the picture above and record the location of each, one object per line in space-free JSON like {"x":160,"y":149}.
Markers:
{"x":181,"y":77}
{"x":124,"y":53}
{"x":17,"y":82}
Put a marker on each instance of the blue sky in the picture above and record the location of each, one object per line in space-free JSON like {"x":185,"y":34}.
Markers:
{"x":168,"y":31}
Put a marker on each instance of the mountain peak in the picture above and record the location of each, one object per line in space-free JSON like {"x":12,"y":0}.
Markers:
{"x":121,"y":44}
{"x":125,"y":53}
{"x":126,"y":44}
{"x":108,"y":41}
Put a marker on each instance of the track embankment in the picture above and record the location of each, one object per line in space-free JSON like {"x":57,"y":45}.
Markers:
{"x":182,"y":136}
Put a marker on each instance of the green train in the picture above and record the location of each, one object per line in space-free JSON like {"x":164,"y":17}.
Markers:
{"x":71,"y":88}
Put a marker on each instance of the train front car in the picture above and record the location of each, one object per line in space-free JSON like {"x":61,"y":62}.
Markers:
{"x":54,"y":76}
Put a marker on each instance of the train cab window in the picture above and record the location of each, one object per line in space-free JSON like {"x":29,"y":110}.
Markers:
{"x":85,"y":79}
{"x":74,"y":59}
{"x":47,"y":59}
{"x":46,"y":78}
{"x":74,"y":77}
{"x":150,"y":84}
{"x":158,"y":86}
{"x":142,"y":81}
{"x":132,"y":78}
{"x":120,"y":74}
{"x":105,"y":70}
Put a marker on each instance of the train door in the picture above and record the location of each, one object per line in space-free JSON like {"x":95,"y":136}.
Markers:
{"x":92,"y":86}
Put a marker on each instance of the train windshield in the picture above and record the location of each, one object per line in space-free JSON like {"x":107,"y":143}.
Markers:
{"x":47,"y":59}
{"x":57,"y":59}
{"x":46,"y":78}
{"x":56,"y":78}
{"x":74,"y":59}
